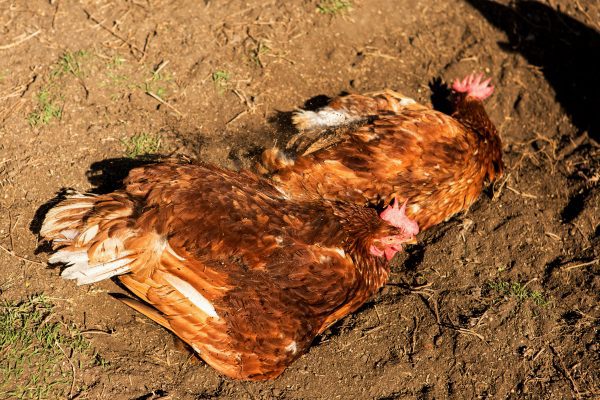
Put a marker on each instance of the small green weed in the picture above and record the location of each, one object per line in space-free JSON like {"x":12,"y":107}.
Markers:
{"x":519,"y":291}
{"x":160,"y":92}
{"x":69,"y":63}
{"x":220,"y":79}
{"x":161,"y":76}
{"x":257,"y":52}
{"x":116,"y":62}
{"x":35,"y":353}
{"x":153,"y":84}
{"x":46,"y":109}
{"x":100,"y":361}
{"x":333,"y":7}
{"x":141,"y":144}
{"x":116,"y":78}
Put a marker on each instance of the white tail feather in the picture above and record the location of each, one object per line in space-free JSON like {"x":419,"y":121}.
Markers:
{"x":83,"y":273}
{"x":77,"y":257}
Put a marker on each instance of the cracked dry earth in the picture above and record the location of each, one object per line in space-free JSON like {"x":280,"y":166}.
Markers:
{"x":498,"y":303}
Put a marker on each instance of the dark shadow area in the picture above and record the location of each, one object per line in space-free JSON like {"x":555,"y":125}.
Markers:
{"x":440,"y":96}
{"x":319,"y":101}
{"x":575,"y":205}
{"x":465,"y":318}
{"x":571,"y":317}
{"x":239,"y":154}
{"x":565,"y":49}
{"x":551,"y":267}
{"x":108,"y":175}
{"x":283,"y":125}
{"x":38,"y":218}
{"x":415,"y":254}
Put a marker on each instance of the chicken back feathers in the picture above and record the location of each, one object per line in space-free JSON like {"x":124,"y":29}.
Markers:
{"x":246,"y":277}
{"x":393,"y":147}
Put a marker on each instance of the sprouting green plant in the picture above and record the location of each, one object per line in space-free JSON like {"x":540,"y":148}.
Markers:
{"x":333,"y":7}
{"x":116,"y":79}
{"x":152,"y":84}
{"x":161,"y":76}
{"x":69,"y":63}
{"x":46,"y":109}
{"x":160,"y":92}
{"x":538,"y":298}
{"x":141,"y":144}
{"x":116,"y":62}
{"x":220,"y":79}
{"x":257,"y":52}
{"x":518,"y":291}
{"x":35,"y":352}
{"x":100,"y":361}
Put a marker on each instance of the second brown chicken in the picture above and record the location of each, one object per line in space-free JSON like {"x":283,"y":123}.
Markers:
{"x":371,"y":148}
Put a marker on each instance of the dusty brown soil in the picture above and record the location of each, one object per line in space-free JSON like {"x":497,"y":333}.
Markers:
{"x":500,"y":303}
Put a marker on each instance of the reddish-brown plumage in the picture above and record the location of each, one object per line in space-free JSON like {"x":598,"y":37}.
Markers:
{"x":243,"y":275}
{"x":387,"y":145}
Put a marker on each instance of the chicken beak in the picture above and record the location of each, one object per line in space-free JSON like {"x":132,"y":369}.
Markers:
{"x":412,"y":241}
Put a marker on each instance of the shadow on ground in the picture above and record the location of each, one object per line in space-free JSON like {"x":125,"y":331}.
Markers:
{"x":561,"y":47}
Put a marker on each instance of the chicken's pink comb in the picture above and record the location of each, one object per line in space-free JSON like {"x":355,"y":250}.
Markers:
{"x":473,"y":86}
{"x":397,"y":217}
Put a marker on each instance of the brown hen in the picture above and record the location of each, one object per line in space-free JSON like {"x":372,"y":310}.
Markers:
{"x":244,"y":276}
{"x":371,"y":148}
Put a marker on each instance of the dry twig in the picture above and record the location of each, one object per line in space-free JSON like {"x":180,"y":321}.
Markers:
{"x":585,"y":264}
{"x":530,"y":196}
{"x":18,"y":42}
{"x":115,"y":34}
{"x":564,"y":371}
{"x":236,"y":117}
{"x":72,"y":369}
{"x":12,"y":253}
{"x":159,"y":99}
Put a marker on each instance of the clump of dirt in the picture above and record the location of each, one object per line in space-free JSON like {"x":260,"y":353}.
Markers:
{"x":501,"y":302}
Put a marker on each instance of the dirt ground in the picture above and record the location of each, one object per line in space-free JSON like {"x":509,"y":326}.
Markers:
{"x":500,"y":303}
